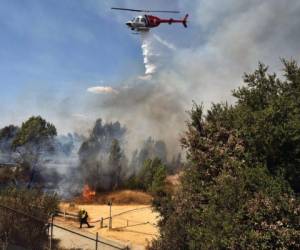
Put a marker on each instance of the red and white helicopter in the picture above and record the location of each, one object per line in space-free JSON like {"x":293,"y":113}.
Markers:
{"x":145,"y":22}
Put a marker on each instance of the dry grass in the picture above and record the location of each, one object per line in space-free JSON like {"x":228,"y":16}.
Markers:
{"x":126,"y":197}
{"x":123,"y":197}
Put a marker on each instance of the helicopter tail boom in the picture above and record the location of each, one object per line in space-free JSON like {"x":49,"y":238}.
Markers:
{"x":171,"y":20}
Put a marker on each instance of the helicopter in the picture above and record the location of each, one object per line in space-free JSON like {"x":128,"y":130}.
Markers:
{"x":144,"y":23}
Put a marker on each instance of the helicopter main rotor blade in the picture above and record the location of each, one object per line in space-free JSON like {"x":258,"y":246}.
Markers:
{"x":146,"y":11}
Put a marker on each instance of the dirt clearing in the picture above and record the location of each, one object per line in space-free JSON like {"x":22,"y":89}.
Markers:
{"x":132,"y":224}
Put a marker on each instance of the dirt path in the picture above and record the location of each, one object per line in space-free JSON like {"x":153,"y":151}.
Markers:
{"x":138,"y":226}
{"x":70,"y":240}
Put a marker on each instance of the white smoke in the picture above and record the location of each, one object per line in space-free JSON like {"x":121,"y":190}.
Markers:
{"x":225,"y":39}
{"x":164,"y":42}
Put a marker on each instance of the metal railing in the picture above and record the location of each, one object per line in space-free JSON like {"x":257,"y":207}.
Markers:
{"x":109,"y":218}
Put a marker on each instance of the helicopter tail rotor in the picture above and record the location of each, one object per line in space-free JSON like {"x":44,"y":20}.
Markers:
{"x":184,"y":22}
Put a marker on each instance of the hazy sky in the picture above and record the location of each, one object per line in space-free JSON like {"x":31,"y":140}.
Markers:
{"x":53,"y":51}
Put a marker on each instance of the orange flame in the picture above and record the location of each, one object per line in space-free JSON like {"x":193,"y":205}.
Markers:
{"x":88,"y":193}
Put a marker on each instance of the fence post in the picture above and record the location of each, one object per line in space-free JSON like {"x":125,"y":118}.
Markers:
{"x":110,"y":223}
{"x":97,"y":236}
{"x":110,"y":218}
{"x":101,"y":222}
{"x":51,"y":231}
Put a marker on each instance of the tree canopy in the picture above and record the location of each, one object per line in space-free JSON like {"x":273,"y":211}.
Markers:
{"x":35,"y":130}
{"x":238,"y":188}
{"x":101,"y":156}
{"x":267,"y":116}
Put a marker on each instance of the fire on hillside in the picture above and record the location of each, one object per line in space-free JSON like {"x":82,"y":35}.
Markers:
{"x":87,"y":193}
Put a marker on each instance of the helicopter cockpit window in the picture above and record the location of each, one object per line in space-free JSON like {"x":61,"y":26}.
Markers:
{"x":143,"y":20}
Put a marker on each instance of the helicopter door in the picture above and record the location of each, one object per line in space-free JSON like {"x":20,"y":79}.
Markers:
{"x":140,"y":21}
{"x":143,"y":22}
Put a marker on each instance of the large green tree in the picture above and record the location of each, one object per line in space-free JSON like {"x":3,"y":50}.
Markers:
{"x":242,"y":160}
{"x":32,"y":140}
{"x":94,"y":154}
{"x":267,"y":116}
{"x":35,"y":130}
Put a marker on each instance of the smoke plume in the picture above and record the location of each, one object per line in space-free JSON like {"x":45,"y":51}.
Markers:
{"x":202,"y":63}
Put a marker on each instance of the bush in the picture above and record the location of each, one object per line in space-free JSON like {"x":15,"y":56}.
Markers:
{"x":25,"y":231}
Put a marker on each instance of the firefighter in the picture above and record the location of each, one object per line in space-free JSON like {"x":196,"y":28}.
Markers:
{"x":83,"y":216}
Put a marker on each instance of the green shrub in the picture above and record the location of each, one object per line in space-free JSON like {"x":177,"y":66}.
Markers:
{"x":19,"y":229}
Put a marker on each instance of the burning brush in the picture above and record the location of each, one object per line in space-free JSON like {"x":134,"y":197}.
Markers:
{"x":87,"y":193}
